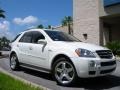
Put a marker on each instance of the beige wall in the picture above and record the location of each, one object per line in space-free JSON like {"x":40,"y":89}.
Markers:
{"x":105,"y":11}
{"x":101,"y":8}
{"x":104,"y":33}
{"x":86,"y":20}
{"x":64,"y":28}
{"x":111,"y":16}
{"x":89,"y":17}
{"x":106,"y":36}
{"x":112,"y":10}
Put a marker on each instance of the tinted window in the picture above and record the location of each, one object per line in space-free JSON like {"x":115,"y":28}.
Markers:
{"x":27,"y":37}
{"x":61,"y":36}
{"x":37,"y":36}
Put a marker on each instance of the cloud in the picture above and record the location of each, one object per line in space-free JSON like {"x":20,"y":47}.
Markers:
{"x":5,"y":30}
{"x":7,"y":34}
{"x":10,"y":35}
{"x":4,"y":25}
{"x":26,"y":20}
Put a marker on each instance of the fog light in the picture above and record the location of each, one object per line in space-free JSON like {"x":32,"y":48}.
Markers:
{"x":92,"y":64}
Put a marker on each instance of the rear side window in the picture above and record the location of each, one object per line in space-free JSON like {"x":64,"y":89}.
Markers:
{"x":26,"y":38}
{"x":16,"y":37}
{"x":37,"y":36}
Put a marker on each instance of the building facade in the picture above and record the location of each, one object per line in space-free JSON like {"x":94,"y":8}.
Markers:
{"x":96,"y":21}
{"x":64,"y":28}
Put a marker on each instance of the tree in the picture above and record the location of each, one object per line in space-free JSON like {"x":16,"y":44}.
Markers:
{"x":40,"y":26}
{"x":0,"y":44}
{"x":5,"y":41}
{"x":1,"y":16}
{"x":49,"y":27}
{"x":2,"y":13}
{"x":68,"y":21}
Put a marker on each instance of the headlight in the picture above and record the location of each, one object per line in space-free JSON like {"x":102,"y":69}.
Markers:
{"x":84,"y":53}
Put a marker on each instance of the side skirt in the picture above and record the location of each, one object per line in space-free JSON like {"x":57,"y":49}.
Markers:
{"x":29,"y":66}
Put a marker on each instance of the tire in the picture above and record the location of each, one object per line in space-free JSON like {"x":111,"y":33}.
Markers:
{"x":64,"y":72}
{"x":14,"y":64}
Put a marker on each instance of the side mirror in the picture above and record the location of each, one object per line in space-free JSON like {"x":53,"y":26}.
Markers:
{"x":42,"y":41}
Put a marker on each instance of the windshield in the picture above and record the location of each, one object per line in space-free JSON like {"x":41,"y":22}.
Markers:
{"x":61,"y":36}
{"x":16,"y":37}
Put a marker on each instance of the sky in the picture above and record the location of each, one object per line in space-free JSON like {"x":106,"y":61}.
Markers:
{"x":24,"y":14}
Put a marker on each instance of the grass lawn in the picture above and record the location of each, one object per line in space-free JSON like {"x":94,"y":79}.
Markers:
{"x":9,"y":83}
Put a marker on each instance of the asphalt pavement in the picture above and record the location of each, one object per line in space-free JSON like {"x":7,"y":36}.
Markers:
{"x":111,"y":82}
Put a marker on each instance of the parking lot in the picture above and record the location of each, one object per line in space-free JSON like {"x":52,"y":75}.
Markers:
{"x":111,"y":82}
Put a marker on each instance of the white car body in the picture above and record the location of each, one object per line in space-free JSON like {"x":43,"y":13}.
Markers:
{"x":39,"y":56}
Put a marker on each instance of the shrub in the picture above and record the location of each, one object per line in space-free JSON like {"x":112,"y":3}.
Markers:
{"x":0,"y":53}
{"x":114,"y":46}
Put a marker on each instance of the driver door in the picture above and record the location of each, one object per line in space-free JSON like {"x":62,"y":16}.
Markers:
{"x":38,"y":52}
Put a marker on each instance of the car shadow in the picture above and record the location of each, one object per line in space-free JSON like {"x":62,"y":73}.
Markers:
{"x":37,"y":73}
{"x":98,"y":83}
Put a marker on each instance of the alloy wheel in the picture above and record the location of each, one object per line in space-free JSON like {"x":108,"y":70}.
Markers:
{"x":13,"y":62}
{"x":64,"y":72}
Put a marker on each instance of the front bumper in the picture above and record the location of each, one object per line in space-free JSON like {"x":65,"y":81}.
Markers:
{"x":100,"y":67}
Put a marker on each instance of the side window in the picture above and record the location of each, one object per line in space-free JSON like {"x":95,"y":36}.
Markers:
{"x":27,"y":37}
{"x":37,"y":36}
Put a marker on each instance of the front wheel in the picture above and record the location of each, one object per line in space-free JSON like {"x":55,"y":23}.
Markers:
{"x":14,"y":64}
{"x":64,"y":72}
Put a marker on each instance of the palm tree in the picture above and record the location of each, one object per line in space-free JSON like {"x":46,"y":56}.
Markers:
{"x":68,"y":21}
{"x":1,"y":16}
{"x":40,"y":26}
{"x":4,"y":40}
{"x":49,"y":27}
{"x":2,"y":13}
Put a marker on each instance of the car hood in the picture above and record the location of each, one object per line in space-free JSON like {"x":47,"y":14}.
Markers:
{"x":75,"y":45}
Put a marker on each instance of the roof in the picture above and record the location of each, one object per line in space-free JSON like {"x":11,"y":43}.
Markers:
{"x":38,"y":29}
{"x":111,"y":2}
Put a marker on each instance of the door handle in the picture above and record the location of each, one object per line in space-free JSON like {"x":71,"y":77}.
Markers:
{"x":17,"y":45}
{"x":50,"y":50}
{"x":30,"y":48}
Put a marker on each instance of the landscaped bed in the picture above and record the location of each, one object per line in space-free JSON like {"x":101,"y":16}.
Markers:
{"x":9,"y":83}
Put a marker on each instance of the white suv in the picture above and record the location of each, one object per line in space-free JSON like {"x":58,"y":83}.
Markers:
{"x":61,"y":54}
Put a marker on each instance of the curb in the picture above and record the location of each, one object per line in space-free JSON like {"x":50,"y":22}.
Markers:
{"x":23,"y":80}
{"x":4,"y":56}
{"x":118,"y":59}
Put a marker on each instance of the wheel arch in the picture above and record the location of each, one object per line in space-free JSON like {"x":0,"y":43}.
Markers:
{"x":12,"y":52}
{"x":59,"y":56}
{"x":55,"y":60}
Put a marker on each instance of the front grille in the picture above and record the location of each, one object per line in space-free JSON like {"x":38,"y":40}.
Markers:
{"x":107,"y":71}
{"x":110,"y":63}
{"x":105,"y":54}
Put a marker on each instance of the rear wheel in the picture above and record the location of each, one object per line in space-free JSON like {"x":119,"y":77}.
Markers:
{"x":64,"y":72}
{"x":14,"y":64}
